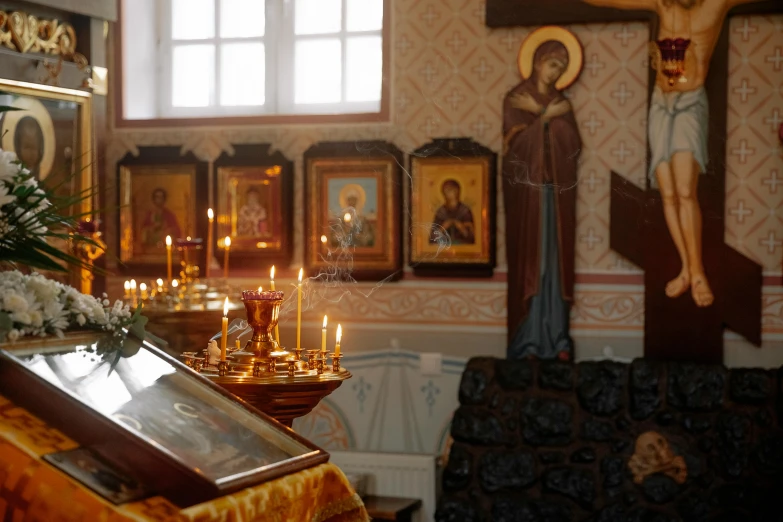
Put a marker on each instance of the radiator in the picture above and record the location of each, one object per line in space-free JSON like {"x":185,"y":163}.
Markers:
{"x":394,"y":475}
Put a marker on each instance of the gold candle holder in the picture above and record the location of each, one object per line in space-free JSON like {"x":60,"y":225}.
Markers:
{"x":298,"y":354}
{"x":263,"y":312}
{"x":291,"y":367}
{"x":311,"y":356}
{"x":319,"y":365}
{"x":223,"y":368}
{"x":335,"y":362}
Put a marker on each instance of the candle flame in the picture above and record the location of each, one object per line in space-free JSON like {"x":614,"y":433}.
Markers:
{"x":324,"y":321}
{"x":227,"y":242}
{"x":143,"y":287}
{"x":133,"y":284}
{"x":174,"y":283}
{"x":301,"y":272}
{"x":225,"y":308}
{"x":324,"y":239}
{"x":160,"y":282}
{"x":127,"y":285}
{"x":168,"y":241}
{"x":210,"y":214}
{"x":339,"y":333}
{"x":272,"y":273}
{"x":260,"y":289}
{"x":347,"y":217}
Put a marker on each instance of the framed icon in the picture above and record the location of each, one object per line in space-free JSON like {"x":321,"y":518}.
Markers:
{"x":353,"y":212}
{"x":453,"y":191}
{"x":160,"y":193}
{"x":254,"y":199}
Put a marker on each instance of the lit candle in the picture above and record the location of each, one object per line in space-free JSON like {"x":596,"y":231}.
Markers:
{"x":168,"y":258}
{"x":133,"y":292}
{"x":127,"y":289}
{"x":227,"y":246}
{"x":272,"y":287}
{"x":299,"y":312}
{"x":211,"y":216}
{"x":238,"y":344}
{"x":323,"y":338}
{"x":174,"y":283}
{"x":339,"y":338}
{"x":224,"y":336}
{"x":143,"y":288}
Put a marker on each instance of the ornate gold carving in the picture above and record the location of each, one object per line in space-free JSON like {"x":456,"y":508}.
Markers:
{"x":26,"y":33}
{"x":654,"y":455}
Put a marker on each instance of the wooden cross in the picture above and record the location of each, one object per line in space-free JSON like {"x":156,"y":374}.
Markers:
{"x":674,"y":329}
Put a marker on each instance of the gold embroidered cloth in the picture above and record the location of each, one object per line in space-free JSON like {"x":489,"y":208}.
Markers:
{"x":33,"y":491}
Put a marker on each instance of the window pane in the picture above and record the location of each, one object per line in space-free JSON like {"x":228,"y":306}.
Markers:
{"x":192,"y":19}
{"x":242,"y":73}
{"x":318,"y":16}
{"x":364,"y":15}
{"x":192,"y":75}
{"x":318,"y":71}
{"x":364,"y":69}
{"x":242,"y":18}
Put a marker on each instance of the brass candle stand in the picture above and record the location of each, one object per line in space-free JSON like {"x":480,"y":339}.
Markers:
{"x":278,"y":382}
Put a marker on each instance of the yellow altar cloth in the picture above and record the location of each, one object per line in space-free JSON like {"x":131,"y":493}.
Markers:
{"x":31,"y":490}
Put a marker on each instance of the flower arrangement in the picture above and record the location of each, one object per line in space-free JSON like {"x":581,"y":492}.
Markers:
{"x":29,"y":215}
{"x":32,"y":305}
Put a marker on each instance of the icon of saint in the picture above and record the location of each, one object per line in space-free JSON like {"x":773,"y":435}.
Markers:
{"x":159,"y":222}
{"x":453,"y":216}
{"x":252,"y":216}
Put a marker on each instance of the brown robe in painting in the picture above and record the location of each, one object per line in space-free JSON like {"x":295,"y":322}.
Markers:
{"x":539,"y":165}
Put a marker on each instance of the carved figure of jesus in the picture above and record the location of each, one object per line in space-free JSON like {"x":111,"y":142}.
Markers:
{"x":677,"y":129}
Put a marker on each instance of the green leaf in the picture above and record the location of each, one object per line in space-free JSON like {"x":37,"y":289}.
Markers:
{"x":6,"y":324}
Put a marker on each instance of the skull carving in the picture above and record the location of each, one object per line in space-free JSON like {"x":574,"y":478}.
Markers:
{"x":654,"y":455}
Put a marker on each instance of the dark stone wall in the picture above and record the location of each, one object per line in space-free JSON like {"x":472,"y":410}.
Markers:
{"x":550,"y":441}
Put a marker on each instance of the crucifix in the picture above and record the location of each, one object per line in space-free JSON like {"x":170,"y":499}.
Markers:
{"x":695,"y":284}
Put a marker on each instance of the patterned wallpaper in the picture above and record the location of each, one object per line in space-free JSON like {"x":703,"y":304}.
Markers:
{"x":449,"y":75}
{"x":754,"y":162}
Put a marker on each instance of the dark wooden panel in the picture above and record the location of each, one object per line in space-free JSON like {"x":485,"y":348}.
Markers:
{"x":512,"y":13}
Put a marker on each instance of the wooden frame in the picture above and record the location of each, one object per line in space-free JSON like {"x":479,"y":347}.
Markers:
{"x":434,"y":251}
{"x":367,"y":244}
{"x":253,"y":166}
{"x":157,"y":465}
{"x":384,"y":115}
{"x":153,"y":163}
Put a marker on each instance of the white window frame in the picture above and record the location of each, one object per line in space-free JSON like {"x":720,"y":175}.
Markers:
{"x":279,"y":43}
{"x":166,"y":108}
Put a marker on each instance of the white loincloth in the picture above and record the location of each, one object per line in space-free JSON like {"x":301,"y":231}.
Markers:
{"x":678,"y":121}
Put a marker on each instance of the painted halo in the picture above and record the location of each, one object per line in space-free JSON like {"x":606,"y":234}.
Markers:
{"x":353,"y":189}
{"x":552,"y":32}
{"x":35,"y":109}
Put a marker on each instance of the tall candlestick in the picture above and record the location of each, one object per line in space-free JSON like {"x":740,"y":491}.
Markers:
{"x":227,"y":247}
{"x":210,"y":232}
{"x":224,"y":336}
{"x":339,"y":338}
{"x":272,"y":287}
{"x":323,"y":338}
{"x":168,"y":259}
{"x":299,"y":311}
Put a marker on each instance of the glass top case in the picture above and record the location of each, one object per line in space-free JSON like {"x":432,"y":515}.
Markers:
{"x":168,"y":406}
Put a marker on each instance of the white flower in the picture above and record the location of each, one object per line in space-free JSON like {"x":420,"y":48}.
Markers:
{"x":21,"y":317}
{"x":8,"y":168}
{"x":5,"y":196}
{"x":13,"y":335}
{"x":15,"y":303}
